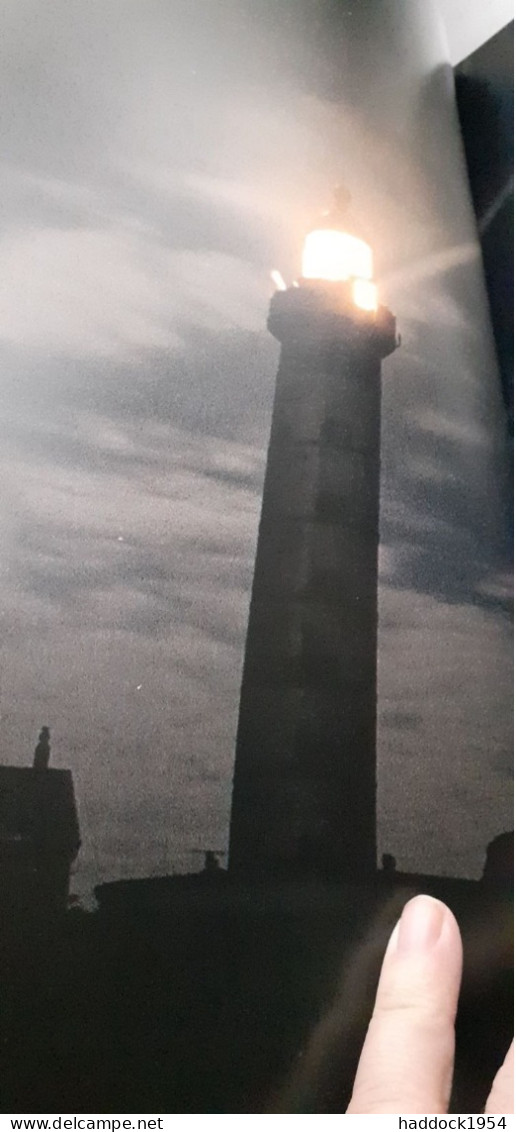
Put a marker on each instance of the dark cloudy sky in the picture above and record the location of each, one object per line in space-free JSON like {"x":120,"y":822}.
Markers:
{"x":158,"y":159}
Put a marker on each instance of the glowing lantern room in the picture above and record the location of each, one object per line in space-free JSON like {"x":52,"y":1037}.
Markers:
{"x":333,"y":255}
{"x":336,"y":256}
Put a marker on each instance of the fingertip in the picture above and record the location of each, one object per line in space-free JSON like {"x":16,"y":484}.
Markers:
{"x":425,"y":922}
{"x":407,"y":1060}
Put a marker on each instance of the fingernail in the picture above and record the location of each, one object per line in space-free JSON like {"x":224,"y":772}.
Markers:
{"x":420,"y":925}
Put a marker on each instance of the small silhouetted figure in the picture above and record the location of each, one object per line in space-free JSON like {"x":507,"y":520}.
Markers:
{"x":211,"y":862}
{"x":42,"y":751}
{"x":499,"y":863}
{"x":388,"y":864}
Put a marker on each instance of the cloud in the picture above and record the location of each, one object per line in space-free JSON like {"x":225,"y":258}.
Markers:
{"x":113,"y":291}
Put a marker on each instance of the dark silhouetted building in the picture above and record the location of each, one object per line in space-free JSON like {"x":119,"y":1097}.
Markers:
{"x":39,"y":836}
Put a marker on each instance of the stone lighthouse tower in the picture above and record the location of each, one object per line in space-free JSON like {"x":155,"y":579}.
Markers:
{"x":304,"y":796}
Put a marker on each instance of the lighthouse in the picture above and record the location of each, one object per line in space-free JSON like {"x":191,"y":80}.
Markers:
{"x":304,"y":792}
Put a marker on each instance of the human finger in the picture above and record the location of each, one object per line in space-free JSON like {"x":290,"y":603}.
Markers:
{"x":407,"y":1058}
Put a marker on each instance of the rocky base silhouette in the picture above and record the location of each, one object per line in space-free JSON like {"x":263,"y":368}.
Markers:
{"x":198,"y":995}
